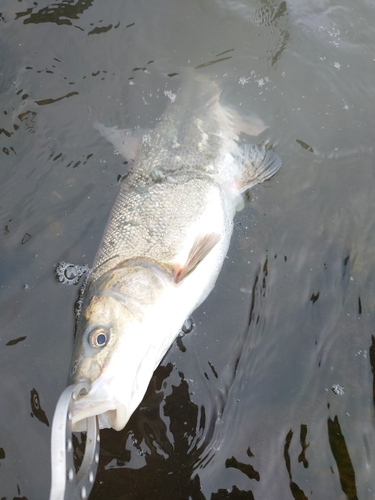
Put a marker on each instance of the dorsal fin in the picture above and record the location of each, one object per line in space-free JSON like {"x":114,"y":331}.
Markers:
{"x":202,"y":246}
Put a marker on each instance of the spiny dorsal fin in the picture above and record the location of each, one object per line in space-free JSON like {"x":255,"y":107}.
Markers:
{"x":202,"y":246}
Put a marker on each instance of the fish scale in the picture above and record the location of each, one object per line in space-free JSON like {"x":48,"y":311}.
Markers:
{"x":129,"y":233}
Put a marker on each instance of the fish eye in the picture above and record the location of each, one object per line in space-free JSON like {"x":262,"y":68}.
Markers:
{"x":98,"y":337}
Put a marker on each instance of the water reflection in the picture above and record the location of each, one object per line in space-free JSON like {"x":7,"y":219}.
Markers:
{"x":274,"y":14}
{"x":343,"y":461}
{"x":246,"y":469}
{"x":36,"y":409}
{"x":372,"y":363}
{"x":296,"y":491}
{"x":167,"y":446}
{"x":167,"y":440}
{"x":58,"y":13}
{"x":277,"y":334}
{"x":268,"y":31}
{"x":301,"y":457}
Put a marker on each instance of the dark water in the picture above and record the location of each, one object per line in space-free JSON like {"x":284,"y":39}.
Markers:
{"x":272,"y":394}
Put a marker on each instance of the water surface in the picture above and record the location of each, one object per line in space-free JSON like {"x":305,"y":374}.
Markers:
{"x":272,"y":394}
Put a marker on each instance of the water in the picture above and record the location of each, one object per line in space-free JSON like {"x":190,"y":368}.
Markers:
{"x":271,"y":395}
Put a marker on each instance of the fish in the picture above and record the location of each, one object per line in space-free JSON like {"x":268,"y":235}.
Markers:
{"x":164,"y":244}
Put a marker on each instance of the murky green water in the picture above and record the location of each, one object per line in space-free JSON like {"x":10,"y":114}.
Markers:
{"x":272,"y":394}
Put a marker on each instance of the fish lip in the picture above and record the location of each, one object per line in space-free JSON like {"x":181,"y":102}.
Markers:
{"x":97,"y":409}
{"x":110,"y":413}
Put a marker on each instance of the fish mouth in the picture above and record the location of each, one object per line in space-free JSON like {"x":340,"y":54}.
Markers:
{"x":109,"y":413}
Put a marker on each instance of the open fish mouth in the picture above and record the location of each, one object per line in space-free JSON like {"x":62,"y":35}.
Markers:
{"x":109,"y":413}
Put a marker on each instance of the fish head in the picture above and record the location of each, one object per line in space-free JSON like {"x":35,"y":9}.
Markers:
{"x":115,"y":348}
{"x":94,"y":360}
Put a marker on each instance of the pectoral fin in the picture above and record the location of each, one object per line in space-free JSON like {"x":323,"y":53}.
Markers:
{"x":202,"y":246}
{"x":258,"y":165}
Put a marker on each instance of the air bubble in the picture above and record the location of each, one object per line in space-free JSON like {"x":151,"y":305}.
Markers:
{"x":337,"y":389}
{"x":188,"y":325}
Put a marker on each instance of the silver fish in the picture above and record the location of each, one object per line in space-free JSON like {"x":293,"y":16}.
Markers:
{"x":163,"y":247}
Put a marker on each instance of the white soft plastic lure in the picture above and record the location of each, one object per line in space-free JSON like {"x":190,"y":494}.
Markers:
{"x":163,"y":247}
